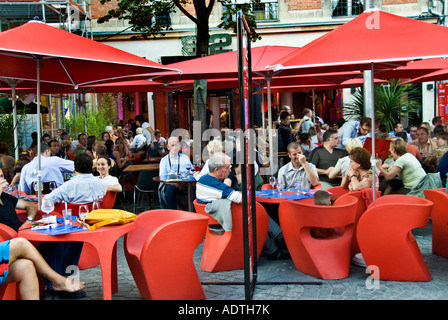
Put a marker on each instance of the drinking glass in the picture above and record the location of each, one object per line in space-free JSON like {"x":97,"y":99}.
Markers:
{"x":10,"y":189}
{"x":36,"y":187}
{"x":67,"y":214}
{"x":280,"y":186}
{"x":83,"y":212}
{"x":96,"y":204}
{"x":272,"y":182}
{"x":47,"y":206}
{"x":298,"y":184}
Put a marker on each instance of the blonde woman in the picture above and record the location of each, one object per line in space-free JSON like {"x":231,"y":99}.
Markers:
{"x":212,"y":147}
{"x":343,"y":163}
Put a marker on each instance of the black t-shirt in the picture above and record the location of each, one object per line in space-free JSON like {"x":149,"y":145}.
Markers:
{"x":323,"y":159}
{"x":284,"y":137}
{"x":8,"y":215}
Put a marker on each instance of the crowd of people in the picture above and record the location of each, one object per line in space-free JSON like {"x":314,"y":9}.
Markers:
{"x":318,"y":155}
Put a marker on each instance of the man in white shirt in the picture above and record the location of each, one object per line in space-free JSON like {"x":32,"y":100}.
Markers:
{"x":354,"y":129}
{"x":139,"y":140}
{"x":52,"y":169}
{"x":173,"y":164}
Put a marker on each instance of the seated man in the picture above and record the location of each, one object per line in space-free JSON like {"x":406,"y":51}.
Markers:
{"x":325,"y":158}
{"x":211,"y":188}
{"x":426,"y":146}
{"x":354,"y":129}
{"x":52,"y":169}
{"x":298,"y":169}
{"x":173,"y":164}
{"x":84,"y":187}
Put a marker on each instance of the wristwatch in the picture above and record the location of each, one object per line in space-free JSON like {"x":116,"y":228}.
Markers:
{"x":353,"y":175}
{"x":29,"y":219}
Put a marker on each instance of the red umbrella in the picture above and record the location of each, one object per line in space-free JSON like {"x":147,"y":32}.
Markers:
{"x":36,"y":52}
{"x":413,"y":69}
{"x":438,"y":75}
{"x":374,"y":36}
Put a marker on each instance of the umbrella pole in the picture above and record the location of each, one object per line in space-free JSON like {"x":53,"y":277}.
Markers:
{"x":314,"y":105}
{"x":371,"y":100}
{"x":39,"y":137}
{"x":263,"y":122}
{"x":271,"y":143}
{"x":14,"y":120}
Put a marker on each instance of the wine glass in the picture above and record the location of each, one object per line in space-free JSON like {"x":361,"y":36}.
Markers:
{"x":36,"y":187}
{"x":47,"y":206}
{"x":280,"y":186}
{"x":272,"y":182}
{"x":83,"y":212}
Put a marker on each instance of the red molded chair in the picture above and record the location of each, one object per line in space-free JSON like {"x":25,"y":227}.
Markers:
{"x":160,"y":251}
{"x":108,"y":201}
{"x":8,"y":291}
{"x":386,"y":241}
{"x":364,"y":197}
{"x":336,"y":192}
{"x":324,"y":258}
{"x":439,"y":216}
{"x":226,"y":252}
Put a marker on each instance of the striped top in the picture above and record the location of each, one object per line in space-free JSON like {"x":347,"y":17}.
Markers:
{"x":208,"y":189}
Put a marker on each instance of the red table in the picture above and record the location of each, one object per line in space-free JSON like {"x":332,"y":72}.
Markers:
{"x":279,"y":199}
{"x":103,"y":239}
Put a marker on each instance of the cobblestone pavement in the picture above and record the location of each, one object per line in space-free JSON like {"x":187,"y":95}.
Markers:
{"x":357,"y":286}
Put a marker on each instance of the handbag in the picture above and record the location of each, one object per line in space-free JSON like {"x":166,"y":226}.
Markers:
{"x":108,"y":217}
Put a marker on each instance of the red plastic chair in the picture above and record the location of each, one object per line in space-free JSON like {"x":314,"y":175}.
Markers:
{"x":386,"y":241}
{"x":226,"y":252}
{"x":108,"y":201}
{"x":324,"y":258}
{"x":439,"y":216}
{"x":363,"y":197}
{"x":160,"y":251}
{"x":8,"y":291}
{"x":336,"y":192}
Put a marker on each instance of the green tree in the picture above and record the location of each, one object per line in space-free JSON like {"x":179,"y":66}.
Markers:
{"x":392,"y":101}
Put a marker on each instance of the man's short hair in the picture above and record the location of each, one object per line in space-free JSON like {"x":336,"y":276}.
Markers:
{"x":423,"y":128}
{"x":366,"y":121}
{"x":44,"y":147}
{"x":216,"y":161}
{"x":327,"y":135}
{"x":83,"y":163}
{"x":403,"y":135}
{"x":306,"y":110}
{"x":80,"y":135}
{"x":54,"y":140}
{"x":322,"y":198}
{"x":293,"y":145}
{"x":284,"y":115}
{"x":399,"y":146}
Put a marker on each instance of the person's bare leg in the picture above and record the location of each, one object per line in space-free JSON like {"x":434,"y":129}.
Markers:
{"x":22,"y":248}
{"x":23,"y":272}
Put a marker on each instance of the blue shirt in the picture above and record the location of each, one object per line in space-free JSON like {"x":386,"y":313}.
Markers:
{"x":178,"y":164}
{"x":52,"y":169}
{"x":350,"y":130}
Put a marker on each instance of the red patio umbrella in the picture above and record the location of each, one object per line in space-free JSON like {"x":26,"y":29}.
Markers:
{"x":39,"y":52}
{"x":439,"y":75}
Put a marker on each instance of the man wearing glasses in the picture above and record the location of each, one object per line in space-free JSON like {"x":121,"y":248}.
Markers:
{"x":354,"y":129}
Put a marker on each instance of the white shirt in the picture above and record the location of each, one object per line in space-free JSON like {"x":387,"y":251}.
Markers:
{"x":138,"y":141}
{"x":109,"y":180}
{"x":178,"y":164}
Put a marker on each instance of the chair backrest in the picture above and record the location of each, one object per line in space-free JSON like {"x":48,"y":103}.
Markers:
{"x":58,"y":207}
{"x":299,"y":214}
{"x":145,"y":181}
{"x":108,"y":200}
{"x":336,"y":192}
{"x":6,"y":233}
{"x":148,"y":221}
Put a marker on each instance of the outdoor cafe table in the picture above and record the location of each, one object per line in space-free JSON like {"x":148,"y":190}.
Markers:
{"x":141,"y":167}
{"x":274,"y":196}
{"x":190,"y":182}
{"x":104,"y":239}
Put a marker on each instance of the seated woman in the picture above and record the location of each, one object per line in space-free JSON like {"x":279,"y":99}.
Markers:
{"x":406,"y":166}
{"x":343,"y":163}
{"x":359,"y":175}
{"x":103,"y":167}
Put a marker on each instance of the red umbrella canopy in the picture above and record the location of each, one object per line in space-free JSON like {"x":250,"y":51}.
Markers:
{"x":374,"y":36}
{"x":413,"y":69}
{"x":438,"y":75}
{"x":66,"y":58}
{"x":225,"y":65}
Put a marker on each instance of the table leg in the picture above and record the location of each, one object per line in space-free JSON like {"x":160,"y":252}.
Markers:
{"x":190,"y":200}
{"x":108,"y":263}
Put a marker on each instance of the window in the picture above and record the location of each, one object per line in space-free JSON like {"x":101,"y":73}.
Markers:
{"x":346,"y":8}
{"x":264,"y":11}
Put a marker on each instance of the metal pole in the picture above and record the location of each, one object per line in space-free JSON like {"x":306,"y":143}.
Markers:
{"x":39,"y":136}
